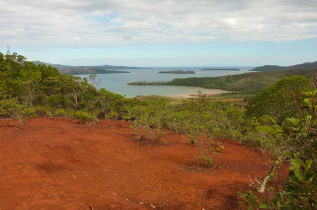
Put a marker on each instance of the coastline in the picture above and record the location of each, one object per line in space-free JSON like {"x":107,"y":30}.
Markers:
{"x":185,"y":95}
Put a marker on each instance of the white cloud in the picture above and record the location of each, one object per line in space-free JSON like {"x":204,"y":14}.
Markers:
{"x":80,"y":23}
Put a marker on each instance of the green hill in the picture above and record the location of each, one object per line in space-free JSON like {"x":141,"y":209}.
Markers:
{"x":303,"y":66}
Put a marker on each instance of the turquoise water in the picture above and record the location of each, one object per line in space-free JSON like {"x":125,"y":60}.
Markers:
{"x":118,"y":82}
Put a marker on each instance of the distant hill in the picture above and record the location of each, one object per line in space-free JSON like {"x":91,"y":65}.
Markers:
{"x":78,"y":70}
{"x":303,"y":66}
{"x":81,"y":71}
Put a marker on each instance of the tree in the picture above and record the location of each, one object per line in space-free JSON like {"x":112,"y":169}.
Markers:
{"x":280,"y":100}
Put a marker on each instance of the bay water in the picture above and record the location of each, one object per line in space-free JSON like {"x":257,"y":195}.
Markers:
{"x":117,"y":82}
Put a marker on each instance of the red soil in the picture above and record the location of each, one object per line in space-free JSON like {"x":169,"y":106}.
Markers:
{"x":59,"y":164}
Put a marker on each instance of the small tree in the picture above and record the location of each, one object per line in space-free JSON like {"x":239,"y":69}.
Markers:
{"x":148,"y":121}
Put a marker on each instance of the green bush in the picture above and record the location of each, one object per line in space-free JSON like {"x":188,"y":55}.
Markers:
{"x":10,"y":107}
{"x":60,"y":113}
{"x":42,"y":111}
{"x":281,"y":99}
{"x":148,"y":121}
{"x":29,"y":112}
{"x":55,"y":100}
{"x":207,"y":161}
{"x":84,"y":116}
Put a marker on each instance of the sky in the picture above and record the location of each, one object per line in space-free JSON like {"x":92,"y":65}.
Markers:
{"x":161,"y":32}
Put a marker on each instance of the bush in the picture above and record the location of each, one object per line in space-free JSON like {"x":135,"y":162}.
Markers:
{"x":148,"y":121}
{"x":207,"y":160}
{"x":60,"y":113}
{"x":54,"y":100}
{"x":10,"y":108}
{"x":281,"y":99}
{"x":84,"y":116}
{"x":29,"y":113}
{"x":42,"y":111}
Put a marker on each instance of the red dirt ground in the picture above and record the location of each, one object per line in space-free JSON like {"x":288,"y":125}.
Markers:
{"x":60,"y":164}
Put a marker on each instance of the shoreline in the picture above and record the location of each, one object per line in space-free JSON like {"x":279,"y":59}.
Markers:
{"x":186,"y":95}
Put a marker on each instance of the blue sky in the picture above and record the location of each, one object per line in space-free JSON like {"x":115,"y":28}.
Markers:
{"x":161,"y":32}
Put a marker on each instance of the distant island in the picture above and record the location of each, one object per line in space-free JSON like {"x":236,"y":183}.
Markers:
{"x":303,"y":66}
{"x":78,"y":70}
{"x":224,"y":69}
{"x":177,"y":72}
{"x":91,"y":71}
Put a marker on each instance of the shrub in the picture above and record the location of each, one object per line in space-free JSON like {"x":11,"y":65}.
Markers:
{"x":207,"y":160}
{"x":84,"y":116}
{"x":60,"y":113}
{"x":281,"y":99}
{"x":12,"y":108}
{"x":54,"y":100}
{"x":42,"y":111}
{"x":148,"y":121}
{"x":29,"y":113}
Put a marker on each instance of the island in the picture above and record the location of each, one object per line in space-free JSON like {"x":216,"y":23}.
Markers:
{"x":222,"y":69}
{"x":177,"y":72}
{"x":79,"y":70}
{"x":92,"y":71}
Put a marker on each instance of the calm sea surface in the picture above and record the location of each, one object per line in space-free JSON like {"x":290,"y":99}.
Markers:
{"x":117,"y":83}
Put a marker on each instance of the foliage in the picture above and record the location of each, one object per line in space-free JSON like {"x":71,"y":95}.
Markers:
{"x":280,"y":99}
{"x":29,"y":113}
{"x":148,"y":120}
{"x":13,"y":109}
{"x":33,"y":85}
{"x":60,"y":113}
{"x":84,"y":116}
{"x":201,"y":120}
{"x":300,"y":189}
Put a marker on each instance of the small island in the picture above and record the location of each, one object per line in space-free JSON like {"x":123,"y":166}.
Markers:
{"x":177,"y":72}
{"x":221,"y":69}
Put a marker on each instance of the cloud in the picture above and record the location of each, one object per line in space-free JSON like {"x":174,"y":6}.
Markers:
{"x":82,"y":23}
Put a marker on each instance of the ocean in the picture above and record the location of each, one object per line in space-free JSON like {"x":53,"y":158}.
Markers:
{"x":117,"y":83}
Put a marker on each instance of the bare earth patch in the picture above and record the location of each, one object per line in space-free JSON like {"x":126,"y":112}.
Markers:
{"x":58,"y":164}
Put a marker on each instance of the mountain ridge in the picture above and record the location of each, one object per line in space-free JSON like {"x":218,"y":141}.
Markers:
{"x":302,"y":66}
{"x":78,"y":70}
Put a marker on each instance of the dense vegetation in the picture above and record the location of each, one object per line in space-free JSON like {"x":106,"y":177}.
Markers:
{"x":245,"y":83}
{"x":28,"y":90}
{"x":281,"y":120}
